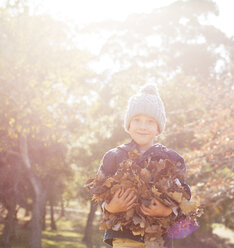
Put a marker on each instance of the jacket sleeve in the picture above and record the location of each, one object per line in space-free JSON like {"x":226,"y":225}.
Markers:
{"x":177,"y":158}
{"x":182,"y":227}
{"x":108,"y":166}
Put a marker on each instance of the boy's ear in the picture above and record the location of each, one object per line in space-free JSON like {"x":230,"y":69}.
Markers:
{"x":158,"y":130}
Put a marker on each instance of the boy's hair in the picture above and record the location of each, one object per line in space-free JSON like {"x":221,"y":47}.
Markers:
{"x":148,"y":102}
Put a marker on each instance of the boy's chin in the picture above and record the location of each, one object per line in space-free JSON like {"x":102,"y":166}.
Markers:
{"x":144,"y":145}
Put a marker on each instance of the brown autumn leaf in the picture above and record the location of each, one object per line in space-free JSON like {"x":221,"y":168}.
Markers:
{"x":134,"y":154}
{"x":161,"y":180}
{"x":130,"y":214}
{"x":177,"y":196}
{"x":136,"y":220}
{"x":109,"y":182}
{"x":187,"y":206}
{"x":117,"y":226}
{"x":115,"y":188}
{"x":153,"y":229}
{"x":145,"y":175}
{"x":89,"y":182}
{"x":140,"y":231}
{"x":155,"y":243}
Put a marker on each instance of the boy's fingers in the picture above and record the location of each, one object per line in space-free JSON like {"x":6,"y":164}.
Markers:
{"x":117,"y":193}
{"x":145,"y":208}
{"x":144,"y":211}
{"x":130,"y":206}
{"x":127,"y":191}
{"x":132,"y":200}
{"x":156,"y":202}
{"x":130,"y":196}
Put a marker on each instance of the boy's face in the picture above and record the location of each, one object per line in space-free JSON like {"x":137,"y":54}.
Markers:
{"x":143,"y":130}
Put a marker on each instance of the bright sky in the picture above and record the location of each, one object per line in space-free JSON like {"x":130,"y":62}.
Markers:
{"x":84,"y":11}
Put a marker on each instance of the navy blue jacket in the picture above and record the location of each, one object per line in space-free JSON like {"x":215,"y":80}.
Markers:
{"x":111,"y":161}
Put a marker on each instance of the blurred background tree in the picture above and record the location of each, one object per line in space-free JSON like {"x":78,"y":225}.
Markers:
{"x":59,"y":115}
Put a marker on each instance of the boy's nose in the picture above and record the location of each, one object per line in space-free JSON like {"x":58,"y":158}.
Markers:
{"x":142,"y":125}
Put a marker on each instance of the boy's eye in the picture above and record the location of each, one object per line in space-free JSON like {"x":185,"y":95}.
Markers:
{"x":151,"y":121}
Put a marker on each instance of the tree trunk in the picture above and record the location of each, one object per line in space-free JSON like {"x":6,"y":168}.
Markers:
{"x":44,"y":219}
{"x":52,"y":220}
{"x":89,"y":225}
{"x":62,"y":214}
{"x":26,"y":213}
{"x":39,"y":196}
{"x":10,"y":224}
{"x":36,"y":227}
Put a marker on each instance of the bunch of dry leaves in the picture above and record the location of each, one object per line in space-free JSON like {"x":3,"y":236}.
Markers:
{"x":157,"y":179}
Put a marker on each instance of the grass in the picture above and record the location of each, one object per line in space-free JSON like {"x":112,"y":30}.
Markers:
{"x":62,"y":239}
{"x":69,"y":233}
{"x":22,"y":239}
{"x":223,"y":232}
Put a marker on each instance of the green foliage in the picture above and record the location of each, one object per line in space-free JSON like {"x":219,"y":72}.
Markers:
{"x":71,"y":116}
{"x":69,"y":233}
{"x":39,"y":66}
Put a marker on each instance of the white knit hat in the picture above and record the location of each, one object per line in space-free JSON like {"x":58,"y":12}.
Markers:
{"x":148,"y":102}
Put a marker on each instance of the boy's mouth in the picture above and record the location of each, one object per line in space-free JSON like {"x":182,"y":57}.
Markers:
{"x":139,"y":133}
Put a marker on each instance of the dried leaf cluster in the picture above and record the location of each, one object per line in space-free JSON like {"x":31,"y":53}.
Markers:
{"x":157,"y":179}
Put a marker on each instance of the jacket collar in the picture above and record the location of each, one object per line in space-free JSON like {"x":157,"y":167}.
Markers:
{"x":133,"y":145}
{"x":129,"y":146}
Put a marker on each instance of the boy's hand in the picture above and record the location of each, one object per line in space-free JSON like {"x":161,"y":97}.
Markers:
{"x":156,"y":209}
{"x":121,"y":203}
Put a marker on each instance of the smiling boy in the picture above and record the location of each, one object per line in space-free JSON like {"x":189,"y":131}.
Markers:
{"x":143,"y":129}
{"x":145,"y":119}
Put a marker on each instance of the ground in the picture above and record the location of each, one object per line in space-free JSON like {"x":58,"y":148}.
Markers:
{"x":71,"y":228}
